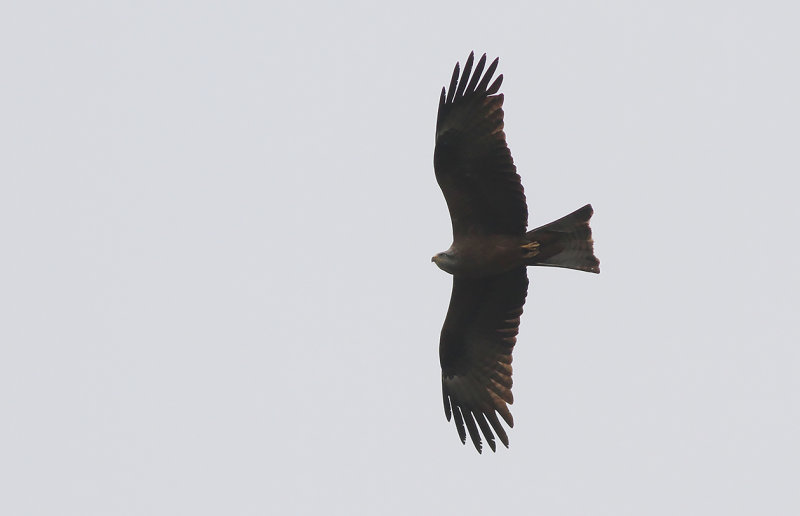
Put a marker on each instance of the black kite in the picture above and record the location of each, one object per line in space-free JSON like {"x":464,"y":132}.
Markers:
{"x":490,"y":252}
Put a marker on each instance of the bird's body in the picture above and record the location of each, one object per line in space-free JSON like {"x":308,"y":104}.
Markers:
{"x":478,"y":256}
{"x":490,"y":253}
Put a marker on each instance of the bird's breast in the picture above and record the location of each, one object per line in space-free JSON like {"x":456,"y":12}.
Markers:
{"x":480,"y":256}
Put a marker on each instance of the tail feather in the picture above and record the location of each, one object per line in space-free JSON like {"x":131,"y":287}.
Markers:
{"x":566,"y":242}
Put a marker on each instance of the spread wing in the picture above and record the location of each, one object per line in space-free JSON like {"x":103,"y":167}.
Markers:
{"x":477,"y":339}
{"x":472,"y":161}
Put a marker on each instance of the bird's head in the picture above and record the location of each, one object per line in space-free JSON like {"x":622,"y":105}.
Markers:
{"x":444,"y":261}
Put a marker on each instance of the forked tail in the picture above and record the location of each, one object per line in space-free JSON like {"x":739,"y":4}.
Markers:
{"x":566,"y":242}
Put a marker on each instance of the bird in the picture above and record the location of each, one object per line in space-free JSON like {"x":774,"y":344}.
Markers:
{"x":490,"y":252}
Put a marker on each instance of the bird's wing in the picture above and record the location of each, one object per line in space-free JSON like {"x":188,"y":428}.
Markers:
{"x":472,"y":161}
{"x":477,"y":339}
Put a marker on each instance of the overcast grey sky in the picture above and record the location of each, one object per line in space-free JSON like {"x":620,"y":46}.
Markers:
{"x":217,"y":221}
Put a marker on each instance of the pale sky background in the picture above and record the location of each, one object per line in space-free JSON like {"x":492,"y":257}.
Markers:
{"x":217,"y":219}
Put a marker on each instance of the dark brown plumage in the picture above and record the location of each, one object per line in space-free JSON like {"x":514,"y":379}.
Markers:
{"x":490,"y":252}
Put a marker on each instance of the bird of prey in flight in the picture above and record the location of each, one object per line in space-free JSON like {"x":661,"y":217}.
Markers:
{"x":491,"y":251}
